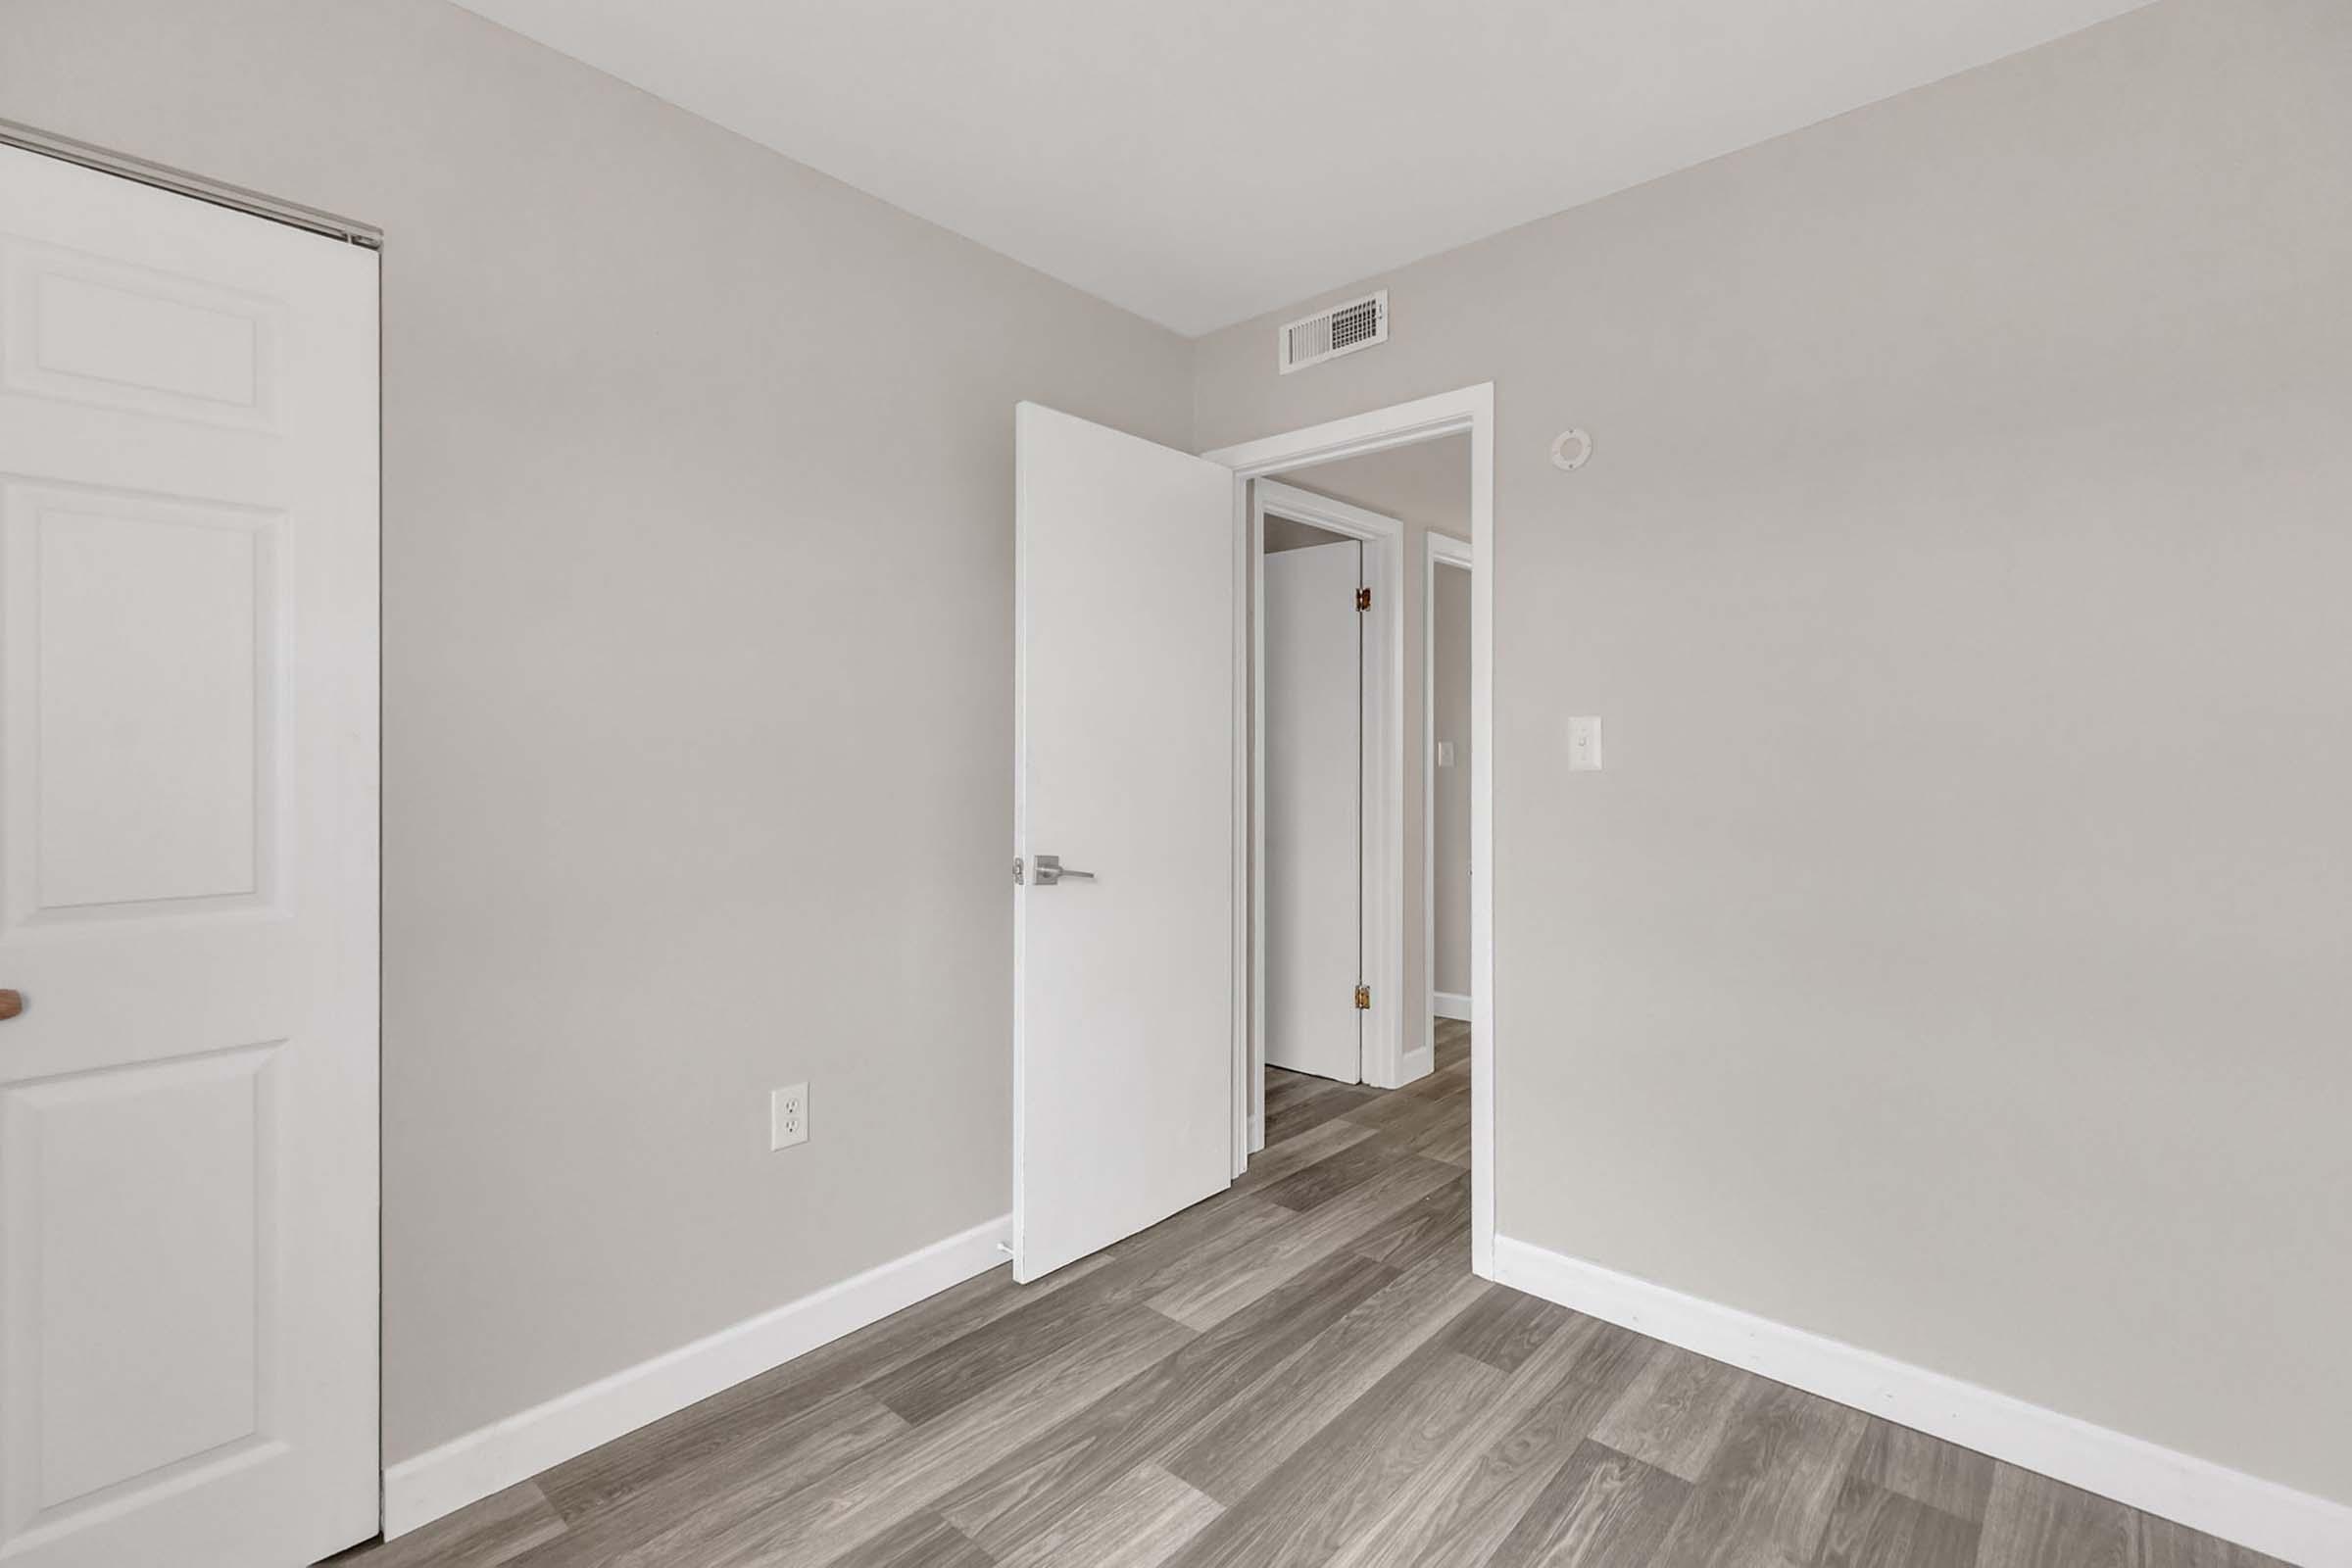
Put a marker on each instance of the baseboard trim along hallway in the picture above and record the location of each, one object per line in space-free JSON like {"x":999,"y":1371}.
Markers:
{"x":491,"y":1458}
{"x":1449,"y":1004}
{"x":2268,"y":1517}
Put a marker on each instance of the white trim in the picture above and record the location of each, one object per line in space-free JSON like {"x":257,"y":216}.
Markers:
{"x":1436,"y":550}
{"x":1253,"y":820}
{"x":1470,"y":408}
{"x":1250,"y":894}
{"x":492,"y":1458}
{"x":2271,"y":1518}
{"x":1382,"y":868}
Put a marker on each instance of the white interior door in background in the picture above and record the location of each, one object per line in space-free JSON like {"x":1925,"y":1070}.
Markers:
{"x":1315,"y":809}
{"x":1124,"y":1005}
{"x":187,"y":880}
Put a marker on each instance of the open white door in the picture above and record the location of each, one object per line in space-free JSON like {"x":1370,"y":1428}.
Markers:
{"x":1123,"y":971}
{"x":1314,"y":738}
{"x":187,"y":880}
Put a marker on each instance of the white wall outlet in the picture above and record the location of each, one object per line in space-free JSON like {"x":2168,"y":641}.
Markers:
{"x":788,"y":1116}
{"x":1583,"y":746}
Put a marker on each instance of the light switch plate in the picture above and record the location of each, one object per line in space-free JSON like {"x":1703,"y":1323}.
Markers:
{"x":1445,"y":753}
{"x":1583,"y":746}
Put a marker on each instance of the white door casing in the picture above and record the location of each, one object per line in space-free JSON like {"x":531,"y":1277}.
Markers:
{"x":188,"y":873}
{"x":1313,"y":868}
{"x":1388,"y":1062}
{"x":1124,"y":722}
{"x":1469,"y":410}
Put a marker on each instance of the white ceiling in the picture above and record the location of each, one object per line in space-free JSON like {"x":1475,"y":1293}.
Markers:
{"x":1203,"y":161}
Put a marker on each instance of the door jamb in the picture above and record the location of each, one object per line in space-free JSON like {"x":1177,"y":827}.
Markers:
{"x":1437,"y":550}
{"x":1381,"y":855}
{"x":1469,"y":409}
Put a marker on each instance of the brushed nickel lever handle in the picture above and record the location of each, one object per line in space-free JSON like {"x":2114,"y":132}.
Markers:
{"x":1051,"y":871}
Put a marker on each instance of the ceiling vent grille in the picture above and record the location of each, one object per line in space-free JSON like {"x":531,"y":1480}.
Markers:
{"x":1344,"y":328}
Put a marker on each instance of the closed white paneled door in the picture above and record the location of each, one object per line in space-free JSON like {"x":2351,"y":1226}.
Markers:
{"x":1124,"y":715}
{"x":188,"y":880}
{"x":1314,"y":810}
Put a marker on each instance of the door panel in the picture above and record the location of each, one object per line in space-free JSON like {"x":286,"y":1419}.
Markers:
{"x":1315,"y":809}
{"x":188,"y":1160}
{"x":1124,"y":735}
{"x":146,"y":630}
{"x":134,"y":1380}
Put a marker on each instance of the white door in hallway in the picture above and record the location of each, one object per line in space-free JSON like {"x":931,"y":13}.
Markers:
{"x":1314,"y":738}
{"x":188,"y":1185}
{"x":1124,"y":715}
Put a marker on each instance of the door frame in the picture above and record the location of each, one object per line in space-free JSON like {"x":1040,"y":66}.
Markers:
{"x":1380,"y":849}
{"x":1468,"y":409}
{"x":1439,"y":550}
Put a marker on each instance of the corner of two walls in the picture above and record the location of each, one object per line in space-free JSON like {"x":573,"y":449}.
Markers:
{"x":697,"y":491}
{"x":1946,"y":964}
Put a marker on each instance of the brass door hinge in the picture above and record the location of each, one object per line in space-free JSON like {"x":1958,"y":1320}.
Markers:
{"x":1363,"y":599}
{"x":1363,"y":996}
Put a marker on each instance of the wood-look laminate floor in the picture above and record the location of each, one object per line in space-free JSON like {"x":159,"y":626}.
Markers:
{"x":1299,"y":1371}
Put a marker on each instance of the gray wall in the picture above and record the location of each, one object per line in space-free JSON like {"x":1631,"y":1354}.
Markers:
{"x":1951,"y":959}
{"x":1449,"y":820}
{"x":698,"y":667}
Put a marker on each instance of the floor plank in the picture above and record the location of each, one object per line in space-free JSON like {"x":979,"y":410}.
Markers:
{"x":922,"y":1540}
{"x":1676,"y":1415}
{"x":1925,"y":1469}
{"x":1402,"y":1115}
{"x":1288,"y":1116}
{"x":1219,"y":1287}
{"x":2161,"y":1544}
{"x":1767,"y":1495}
{"x":1288,"y":1408}
{"x":1871,"y":1527}
{"x":1326,"y":1179}
{"x":2033,"y":1522}
{"x":1278,"y":1161}
{"x":1030,"y":1489}
{"x":1600,"y":1507}
{"x":1137,"y":1521}
{"x":1448,"y":1140}
{"x":1317,"y":1502}
{"x":1460,"y":1505}
{"x":1504,"y":1328}
{"x":1439,"y":1223}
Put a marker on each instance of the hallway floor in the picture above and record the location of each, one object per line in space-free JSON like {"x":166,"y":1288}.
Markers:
{"x":1302,"y":1370}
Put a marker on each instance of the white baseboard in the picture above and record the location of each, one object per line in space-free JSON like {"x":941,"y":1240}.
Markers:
{"x":2271,"y":1518}
{"x":492,"y":1458}
{"x":1449,"y":1005}
{"x":1416,"y":1062}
